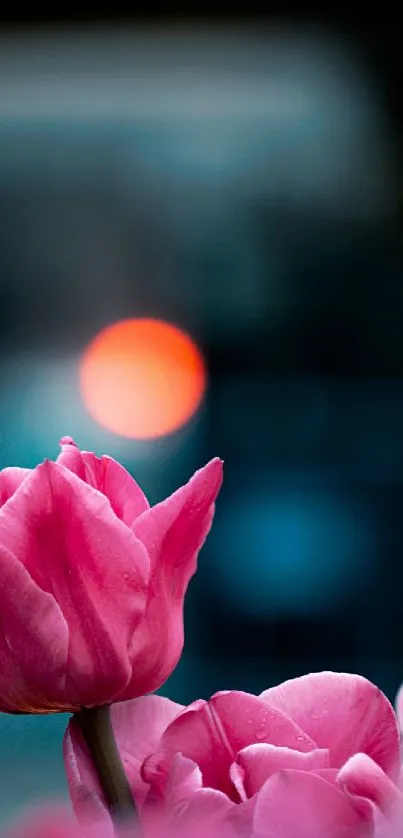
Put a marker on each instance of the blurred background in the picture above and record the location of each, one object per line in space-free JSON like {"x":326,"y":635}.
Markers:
{"x":219,"y":201}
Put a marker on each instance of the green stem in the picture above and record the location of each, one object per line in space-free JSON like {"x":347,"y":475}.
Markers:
{"x":95,"y":723}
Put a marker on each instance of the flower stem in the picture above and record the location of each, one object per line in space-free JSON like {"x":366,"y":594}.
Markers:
{"x":96,"y":726}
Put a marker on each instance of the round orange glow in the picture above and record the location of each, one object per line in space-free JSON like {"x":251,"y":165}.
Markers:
{"x":142,"y":378}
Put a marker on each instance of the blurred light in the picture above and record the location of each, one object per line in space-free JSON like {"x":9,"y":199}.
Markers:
{"x":293,"y":549}
{"x":142,"y":378}
{"x":40,"y":402}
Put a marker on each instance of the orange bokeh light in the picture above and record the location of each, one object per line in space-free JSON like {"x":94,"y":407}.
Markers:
{"x":142,"y":378}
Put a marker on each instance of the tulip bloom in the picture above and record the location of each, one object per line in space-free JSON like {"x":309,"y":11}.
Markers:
{"x":92,"y":580}
{"x":47,"y":822}
{"x":315,"y":757}
{"x":54,"y":821}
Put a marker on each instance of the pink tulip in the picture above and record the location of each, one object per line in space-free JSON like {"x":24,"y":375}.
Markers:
{"x":92,"y":580}
{"x":47,"y":822}
{"x":56,"y":821}
{"x":316,"y":757}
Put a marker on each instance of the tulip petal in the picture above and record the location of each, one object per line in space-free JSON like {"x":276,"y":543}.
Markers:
{"x":110,"y":478}
{"x":211,"y":734}
{"x":183,"y":781}
{"x":362,"y":777}
{"x":75,"y":548}
{"x":297,"y":804}
{"x":399,"y":708}
{"x":174,"y":530}
{"x":138,"y":726}
{"x":188,"y":801}
{"x":83,"y":784}
{"x":34,"y":642}
{"x":189,"y":809}
{"x":345,"y":713}
{"x":173,"y":533}
{"x":258,"y":763}
{"x":207,"y":810}
{"x":10,"y":480}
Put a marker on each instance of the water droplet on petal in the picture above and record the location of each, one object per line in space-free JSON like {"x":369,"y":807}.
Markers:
{"x":262,"y":732}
